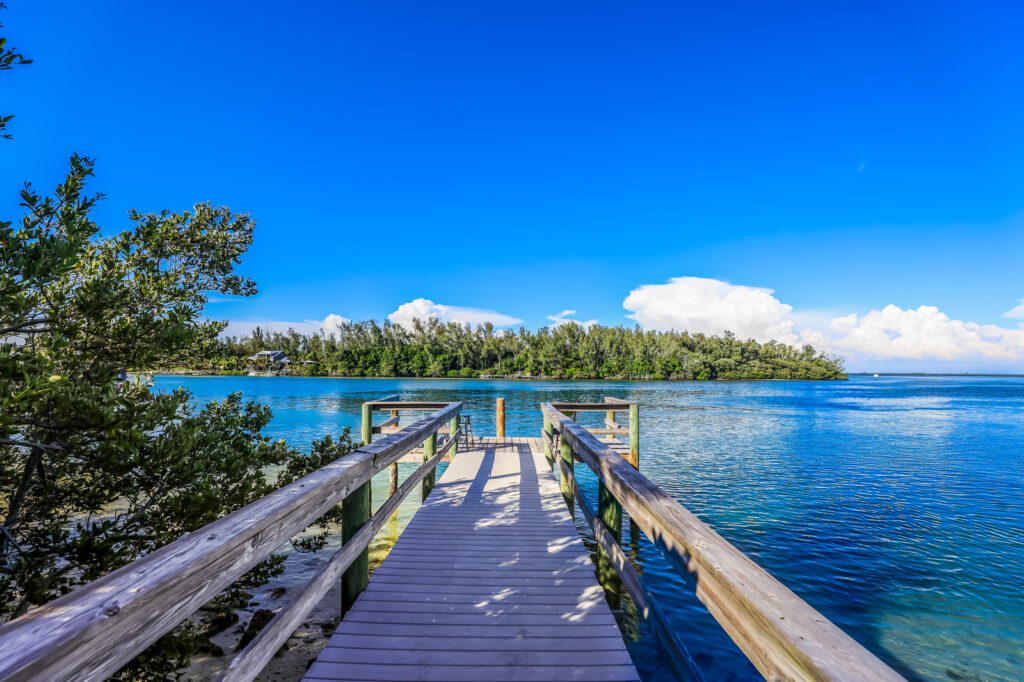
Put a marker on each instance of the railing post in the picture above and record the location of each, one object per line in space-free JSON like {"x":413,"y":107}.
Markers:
{"x":367,"y":425}
{"x":393,"y":473}
{"x":609,"y":416}
{"x":453,"y":426}
{"x":610,"y":512}
{"x":355,"y":512}
{"x":549,"y":431}
{"x":500,"y":418}
{"x":429,"y":450}
{"x":567,"y":457}
{"x":634,"y":435}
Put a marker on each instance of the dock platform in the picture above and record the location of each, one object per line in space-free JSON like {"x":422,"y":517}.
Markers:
{"x":489,"y":581}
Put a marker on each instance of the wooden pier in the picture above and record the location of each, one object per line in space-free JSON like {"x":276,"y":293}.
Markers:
{"x":510,"y":595}
{"x":489,"y":581}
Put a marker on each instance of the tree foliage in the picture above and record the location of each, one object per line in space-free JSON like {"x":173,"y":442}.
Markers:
{"x":9,"y":58}
{"x":96,"y":471}
{"x":435,"y":349}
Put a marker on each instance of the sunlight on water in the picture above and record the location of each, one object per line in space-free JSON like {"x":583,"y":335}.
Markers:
{"x":895,"y":506}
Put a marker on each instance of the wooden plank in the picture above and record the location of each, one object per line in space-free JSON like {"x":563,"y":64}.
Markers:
{"x":443,"y":656}
{"x":514,"y":580}
{"x":405,"y":405}
{"x":386,"y":399}
{"x":617,"y":431}
{"x":564,"y":630}
{"x":380,"y":428}
{"x":443,"y":620}
{"x":591,"y":407}
{"x":783,"y":636}
{"x":469,"y":673}
{"x":445,"y":643}
{"x":90,"y":633}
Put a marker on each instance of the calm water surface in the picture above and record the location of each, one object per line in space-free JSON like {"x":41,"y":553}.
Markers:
{"x":895,"y":506}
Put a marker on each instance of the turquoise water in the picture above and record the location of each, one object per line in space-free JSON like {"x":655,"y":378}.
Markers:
{"x":895,"y":506}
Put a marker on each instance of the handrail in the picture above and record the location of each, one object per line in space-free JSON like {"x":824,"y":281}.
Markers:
{"x":783,"y":636}
{"x":679,"y":658}
{"x":93,"y":631}
{"x":247,"y":663}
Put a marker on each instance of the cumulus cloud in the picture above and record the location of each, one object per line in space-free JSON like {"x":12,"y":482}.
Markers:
{"x":712,"y":306}
{"x":328,"y":325}
{"x":1016,"y":313}
{"x":561,"y":318}
{"x":924,"y":333}
{"x":423,"y":309}
{"x":332,"y":324}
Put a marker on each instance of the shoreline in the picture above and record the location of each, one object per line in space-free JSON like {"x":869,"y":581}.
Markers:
{"x":266,"y":375}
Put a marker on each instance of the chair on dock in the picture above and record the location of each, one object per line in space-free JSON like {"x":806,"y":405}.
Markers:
{"x":467,"y":430}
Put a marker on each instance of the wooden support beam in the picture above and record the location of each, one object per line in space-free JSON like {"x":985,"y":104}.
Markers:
{"x":393,"y":470}
{"x":406,"y":405}
{"x":567,"y":460}
{"x":548,"y":436}
{"x":385,"y":399}
{"x":591,"y":407}
{"x":610,"y":512}
{"x":366,"y":429}
{"x":499,"y":418}
{"x":453,"y":433}
{"x":384,"y":426}
{"x":634,"y":436}
{"x":355,"y":512}
{"x":429,"y":450}
{"x":618,"y":431}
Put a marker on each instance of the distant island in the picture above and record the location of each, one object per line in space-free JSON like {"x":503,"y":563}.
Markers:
{"x":566,"y":351}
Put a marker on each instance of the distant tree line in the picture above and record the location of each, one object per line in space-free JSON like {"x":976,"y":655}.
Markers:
{"x":436,"y":349}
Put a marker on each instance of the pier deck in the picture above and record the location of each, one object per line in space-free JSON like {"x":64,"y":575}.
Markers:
{"x":489,"y":581}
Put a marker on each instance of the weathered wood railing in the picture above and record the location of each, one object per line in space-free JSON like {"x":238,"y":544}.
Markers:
{"x":92,"y":632}
{"x":782,"y":635}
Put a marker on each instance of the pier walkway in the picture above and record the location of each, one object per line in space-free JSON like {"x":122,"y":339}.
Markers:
{"x":489,"y":581}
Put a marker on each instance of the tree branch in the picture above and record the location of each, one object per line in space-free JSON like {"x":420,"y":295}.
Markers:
{"x":20,"y":327}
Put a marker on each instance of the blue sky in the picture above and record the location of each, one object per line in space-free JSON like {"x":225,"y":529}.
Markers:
{"x":529,"y":158}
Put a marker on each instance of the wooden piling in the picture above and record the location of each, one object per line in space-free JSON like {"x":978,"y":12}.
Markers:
{"x":393,"y":473}
{"x":453,"y":426}
{"x":500,"y":418}
{"x":549,"y":431}
{"x":566,"y":487}
{"x":355,"y":513}
{"x":429,"y":450}
{"x":610,"y":512}
{"x":367,"y":424}
{"x":634,"y":435}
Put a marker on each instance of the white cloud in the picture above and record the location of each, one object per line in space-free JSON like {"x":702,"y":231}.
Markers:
{"x":423,"y":309}
{"x":329,"y":326}
{"x":924,"y":333}
{"x":332,"y":324}
{"x":711,"y":306}
{"x":1016,"y":313}
{"x":562,"y":318}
